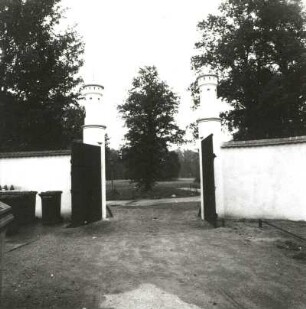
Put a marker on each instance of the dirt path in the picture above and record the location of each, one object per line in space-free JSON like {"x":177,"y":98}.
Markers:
{"x":155,"y":257}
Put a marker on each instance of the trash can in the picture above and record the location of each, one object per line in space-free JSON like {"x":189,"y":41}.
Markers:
{"x":51,"y":207}
{"x":23,"y":207}
{"x":5,"y":218}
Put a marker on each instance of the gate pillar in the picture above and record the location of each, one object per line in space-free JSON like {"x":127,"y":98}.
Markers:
{"x":209,"y":123}
{"x":94,"y":128}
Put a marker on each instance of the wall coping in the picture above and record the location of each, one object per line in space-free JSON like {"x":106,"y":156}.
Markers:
{"x":265,"y":142}
{"x":27,"y":154}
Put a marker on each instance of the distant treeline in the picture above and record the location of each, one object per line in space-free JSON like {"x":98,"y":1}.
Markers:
{"x":178,"y":164}
{"x":189,"y":163}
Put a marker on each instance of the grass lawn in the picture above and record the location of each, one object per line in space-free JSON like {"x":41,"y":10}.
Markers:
{"x":125,"y":190}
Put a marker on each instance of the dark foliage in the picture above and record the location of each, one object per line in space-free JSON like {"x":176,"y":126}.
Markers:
{"x":115,"y":168}
{"x":38,"y":77}
{"x":189,"y":162}
{"x":258,"y":49}
{"x":149,"y":116}
{"x":170,"y":167}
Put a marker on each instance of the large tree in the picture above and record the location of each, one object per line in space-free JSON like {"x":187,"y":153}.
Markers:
{"x":149,"y":116}
{"x":258,"y":48}
{"x":39,"y":66}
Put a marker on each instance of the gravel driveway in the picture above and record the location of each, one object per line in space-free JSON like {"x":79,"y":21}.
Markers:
{"x":156,"y":257}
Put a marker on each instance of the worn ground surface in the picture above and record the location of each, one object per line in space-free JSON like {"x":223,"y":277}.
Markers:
{"x":156,"y":257}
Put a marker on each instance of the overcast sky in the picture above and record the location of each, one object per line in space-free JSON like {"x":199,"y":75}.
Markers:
{"x":123,"y":35}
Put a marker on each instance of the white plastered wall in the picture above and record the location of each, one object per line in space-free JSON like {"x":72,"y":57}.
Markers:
{"x":265,"y":181}
{"x":44,"y":173}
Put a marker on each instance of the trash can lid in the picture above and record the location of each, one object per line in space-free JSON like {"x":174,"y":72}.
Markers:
{"x":50,"y":193}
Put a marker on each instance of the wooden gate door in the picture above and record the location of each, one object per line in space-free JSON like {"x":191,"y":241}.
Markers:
{"x":86,"y":199}
{"x":209,"y":199}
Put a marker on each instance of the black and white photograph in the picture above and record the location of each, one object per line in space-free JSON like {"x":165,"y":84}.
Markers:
{"x":152,"y":154}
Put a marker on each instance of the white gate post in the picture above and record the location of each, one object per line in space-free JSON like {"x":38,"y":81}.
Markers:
{"x":94,"y":129}
{"x":209,"y":122}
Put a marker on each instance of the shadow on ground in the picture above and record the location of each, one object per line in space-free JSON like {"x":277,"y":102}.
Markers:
{"x":155,"y":257}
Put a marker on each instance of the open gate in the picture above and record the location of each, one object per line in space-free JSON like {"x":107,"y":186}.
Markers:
{"x":86,"y":197}
{"x":208,"y":184}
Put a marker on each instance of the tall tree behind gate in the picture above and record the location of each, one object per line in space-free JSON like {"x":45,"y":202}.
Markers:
{"x":149,"y":116}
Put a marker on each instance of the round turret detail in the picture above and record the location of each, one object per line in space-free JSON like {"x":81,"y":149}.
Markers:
{"x":92,"y":92}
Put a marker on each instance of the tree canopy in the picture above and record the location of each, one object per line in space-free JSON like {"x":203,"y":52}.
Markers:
{"x":149,"y":116}
{"x":258,"y":48}
{"x":38,"y":76}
